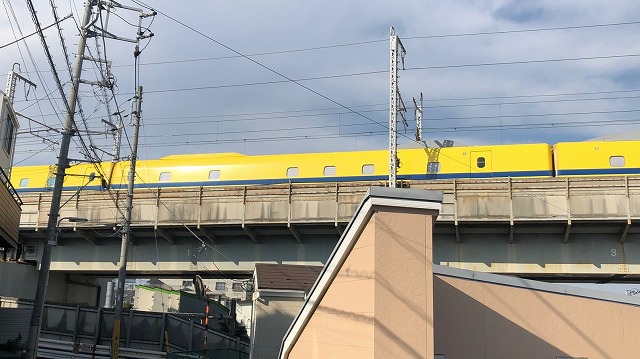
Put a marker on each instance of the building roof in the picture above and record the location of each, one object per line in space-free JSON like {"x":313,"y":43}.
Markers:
{"x":286,"y":276}
{"x":529,"y":284}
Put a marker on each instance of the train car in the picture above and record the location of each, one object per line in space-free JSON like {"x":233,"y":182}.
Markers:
{"x":225,"y":169}
{"x":415,"y":164}
{"x":528,"y":160}
{"x":596,"y":158}
{"x":42,"y":178}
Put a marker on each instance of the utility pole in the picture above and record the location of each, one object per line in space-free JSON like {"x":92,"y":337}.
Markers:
{"x":50,"y":237}
{"x":395,"y":47}
{"x":126,"y":231}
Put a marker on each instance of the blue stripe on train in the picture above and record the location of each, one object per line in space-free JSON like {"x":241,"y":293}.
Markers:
{"x":310,"y":180}
{"x":599,"y":171}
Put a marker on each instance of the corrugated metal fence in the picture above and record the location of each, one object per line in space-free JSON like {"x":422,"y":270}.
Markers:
{"x":90,"y":327}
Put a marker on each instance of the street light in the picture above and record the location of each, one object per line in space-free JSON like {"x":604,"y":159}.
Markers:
{"x":70,"y":219}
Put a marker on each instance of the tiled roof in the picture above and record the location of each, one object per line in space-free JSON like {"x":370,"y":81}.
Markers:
{"x":286,"y":276}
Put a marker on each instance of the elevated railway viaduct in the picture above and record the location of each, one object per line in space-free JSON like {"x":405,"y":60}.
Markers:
{"x":553,"y":228}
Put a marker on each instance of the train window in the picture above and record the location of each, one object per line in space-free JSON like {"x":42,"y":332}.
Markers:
{"x":293,"y":172}
{"x":23,"y":182}
{"x":51,"y":181}
{"x":214,"y":175}
{"x":329,"y":171}
{"x":481,"y":162}
{"x":165,"y":176}
{"x":616,"y":161}
{"x":433,"y":167}
{"x":368,"y":169}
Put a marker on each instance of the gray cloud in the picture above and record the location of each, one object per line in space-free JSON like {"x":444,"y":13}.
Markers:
{"x":497,"y":103}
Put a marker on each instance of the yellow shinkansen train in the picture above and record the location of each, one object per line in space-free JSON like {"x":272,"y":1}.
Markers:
{"x":224,"y":169}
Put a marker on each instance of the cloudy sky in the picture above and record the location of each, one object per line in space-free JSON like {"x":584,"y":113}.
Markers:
{"x":314,"y":76}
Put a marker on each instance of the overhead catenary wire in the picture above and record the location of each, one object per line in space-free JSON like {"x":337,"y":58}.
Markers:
{"x":331,"y":126}
{"x":285,"y":113}
{"x":460,"y":128}
{"x":372,"y":133}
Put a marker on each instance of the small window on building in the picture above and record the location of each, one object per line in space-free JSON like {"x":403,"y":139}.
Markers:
{"x":293,"y":172}
{"x":481,"y":162}
{"x":51,"y":181}
{"x":7,"y":135}
{"x":329,"y":171}
{"x":214,"y":175}
{"x":368,"y":169}
{"x":433,"y":167}
{"x":237,"y":287}
{"x":23,"y":182}
{"x":165,"y":176}
{"x":616,"y":161}
{"x":221,"y":286}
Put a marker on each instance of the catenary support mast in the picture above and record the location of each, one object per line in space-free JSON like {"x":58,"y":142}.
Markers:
{"x":395,"y":47}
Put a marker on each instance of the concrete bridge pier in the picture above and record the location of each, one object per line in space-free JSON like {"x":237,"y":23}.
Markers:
{"x":19,"y":280}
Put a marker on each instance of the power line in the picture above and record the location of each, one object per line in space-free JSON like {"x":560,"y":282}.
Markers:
{"x":521,"y":62}
{"x":358,"y":43}
{"x":266,"y":67}
{"x":317,"y":127}
{"x":426,"y":100}
{"x":35,"y":32}
{"x":377,"y":72}
{"x":598,"y":123}
{"x":267,"y":118}
{"x":524,"y":30}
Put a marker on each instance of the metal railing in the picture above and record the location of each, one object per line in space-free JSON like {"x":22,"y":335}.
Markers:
{"x":210,"y":354}
{"x":90,"y":329}
{"x":5,"y":180}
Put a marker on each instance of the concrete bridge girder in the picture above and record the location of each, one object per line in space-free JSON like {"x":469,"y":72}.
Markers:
{"x":483,"y":224}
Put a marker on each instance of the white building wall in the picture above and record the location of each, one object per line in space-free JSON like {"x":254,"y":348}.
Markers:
{"x":272,"y":317}
{"x":155,"y":300}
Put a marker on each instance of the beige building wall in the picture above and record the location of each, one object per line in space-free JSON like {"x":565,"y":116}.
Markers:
{"x":273,"y":316}
{"x":343,"y":324}
{"x":404,"y":284}
{"x":476,"y":319}
{"x":380,"y":303}
{"x":9,"y":216}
